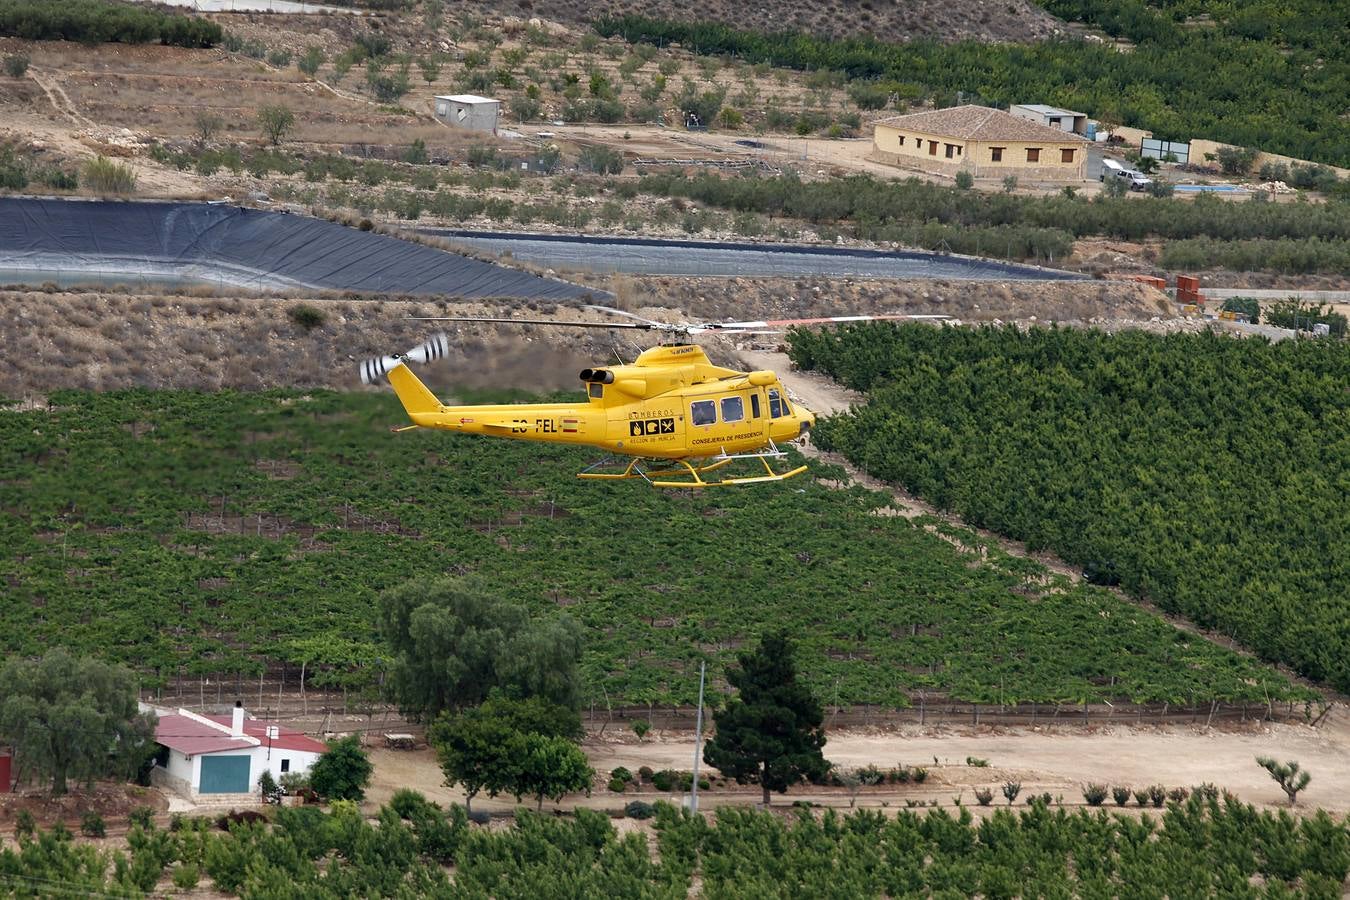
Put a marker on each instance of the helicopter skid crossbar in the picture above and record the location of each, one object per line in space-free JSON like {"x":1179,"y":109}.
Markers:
{"x":691,"y":476}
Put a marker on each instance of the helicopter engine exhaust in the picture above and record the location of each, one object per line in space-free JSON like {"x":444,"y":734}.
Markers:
{"x":597,"y":376}
{"x":434,"y":348}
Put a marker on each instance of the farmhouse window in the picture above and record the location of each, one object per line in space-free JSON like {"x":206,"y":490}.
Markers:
{"x":703,"y":412}
{"x":1066,"y":156}
{"x":285,"y":765}
{"x":733,"y":409}
{"x":996,"y":154}
{"x":932,"y":148}
{"x":951,"y":150}
{"x":902,"y":140}
{"x":1033,"y":154}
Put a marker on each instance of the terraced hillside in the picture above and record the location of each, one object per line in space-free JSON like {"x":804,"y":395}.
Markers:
{"x":218,"y":533}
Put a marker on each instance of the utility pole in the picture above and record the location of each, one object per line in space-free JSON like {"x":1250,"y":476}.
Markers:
{"x":698,"y":737}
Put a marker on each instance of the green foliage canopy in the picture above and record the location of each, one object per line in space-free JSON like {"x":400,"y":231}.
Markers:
{"x":1205,"y":473}
{"x":73,"y":717}
{"x":454,"y":642}
{"x":343,"y":772}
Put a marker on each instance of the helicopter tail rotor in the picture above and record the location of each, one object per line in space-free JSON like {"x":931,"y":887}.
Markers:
{"x":430,"y":350}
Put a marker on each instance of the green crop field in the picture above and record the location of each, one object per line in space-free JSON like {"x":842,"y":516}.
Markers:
{"x":1208,"y":474}
{"x":215,"y":533}
{"x":1202,"y":847}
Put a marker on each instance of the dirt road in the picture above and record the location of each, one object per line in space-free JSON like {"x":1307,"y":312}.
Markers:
{"x":1057,"y":761}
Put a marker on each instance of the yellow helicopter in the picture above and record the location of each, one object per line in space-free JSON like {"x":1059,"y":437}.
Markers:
{"x":675,"y":415}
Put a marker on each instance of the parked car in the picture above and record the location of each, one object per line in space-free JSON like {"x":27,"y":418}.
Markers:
{"x":1136,"y":180}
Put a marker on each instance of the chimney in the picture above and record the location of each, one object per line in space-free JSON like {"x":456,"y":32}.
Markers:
{"x":237,"y":722}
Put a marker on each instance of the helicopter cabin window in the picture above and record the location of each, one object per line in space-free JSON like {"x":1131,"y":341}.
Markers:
{"x":596,"y":390}
{"x":778,"y":405}
{"x":754,"y":406}
{"x":733,"y":409}
{"x":703,"y":412}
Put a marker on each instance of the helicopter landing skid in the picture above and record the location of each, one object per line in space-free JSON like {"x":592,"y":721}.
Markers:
{"x":692,"y":475}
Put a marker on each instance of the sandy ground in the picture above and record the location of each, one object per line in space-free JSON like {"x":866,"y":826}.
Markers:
{"x":1058,"y":761}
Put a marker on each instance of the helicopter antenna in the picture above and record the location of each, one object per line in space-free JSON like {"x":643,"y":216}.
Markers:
{"x":615,"y":347}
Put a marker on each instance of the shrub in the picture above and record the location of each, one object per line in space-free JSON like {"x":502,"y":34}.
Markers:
{"x":977,"y":762}
{"x":868,"y":95}
{"x":279,"y":58}
{"x":343,"y":772}
{"x":104,"y":176}
{"x":16,"y":66}
{"x":1094,"y":794}
{"x":24,"y":823}
{"x":640,"y":728}
{"x":310,"y":61}
{"x":964,"y":180}
{"x":1121,"y":795}
{"x":408,"y":803}
{"x":480,"y":817}
{"x":186,"y":876}
{"x":664,"y":780}
{"x":601,"y":160}
{"x":637,"y":809}
{"x":240,"y":817}
{"x":984,"y":796}
{"x":920,"y":774}
{"x":870,"y":776}
{"x":1157,"y":795}
{"x":1178,"y":795}
{"x":1235,"y":160}
{"x":1011,"y":789}
{"x":1141,"y":797}
{"x":621,"y":774}
{"x":91,"y":825}
{"x":307,"y":317}
{"x":645,"y":773}
{"x":143,"y":816}
{"x":617,"y":785}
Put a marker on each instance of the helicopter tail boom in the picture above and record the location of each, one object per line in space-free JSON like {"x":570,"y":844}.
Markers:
{"x":417,"y":399}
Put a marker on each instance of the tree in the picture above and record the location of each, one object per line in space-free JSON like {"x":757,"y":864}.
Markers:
{"x":207,"y":124}
{"x":454,"y":642}
{"x":770,"y":734}
{"x":276,"y":121}
{"x":548,"y":767}
{"x":73,"y":717}
{"x":311,"y":60}
{"x":1146,"y":164}
{"x":1289,"y":776}
{"x":343,"y":772}
{"x":481,"y":749}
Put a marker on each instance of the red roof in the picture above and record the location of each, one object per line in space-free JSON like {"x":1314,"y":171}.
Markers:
{"x":193,"y":738}
{"x":286,"y":739}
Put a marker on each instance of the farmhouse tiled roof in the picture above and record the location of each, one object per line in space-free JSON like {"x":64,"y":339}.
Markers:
{"x":193,"y":737}
{"x":978,"y":123}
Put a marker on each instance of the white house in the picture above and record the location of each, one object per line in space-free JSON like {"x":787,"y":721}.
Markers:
{"x":213,"y":755}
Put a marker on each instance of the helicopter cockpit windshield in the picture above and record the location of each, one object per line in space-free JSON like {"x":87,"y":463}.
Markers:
{"x":778,"y":405}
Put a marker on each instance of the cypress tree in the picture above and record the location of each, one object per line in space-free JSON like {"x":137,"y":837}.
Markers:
{"x":770,"y":734}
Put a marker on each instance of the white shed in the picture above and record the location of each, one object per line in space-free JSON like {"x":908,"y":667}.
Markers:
{"x":220,"y":755}
{"x":469,"y":111}
{"x":1052,"y":117}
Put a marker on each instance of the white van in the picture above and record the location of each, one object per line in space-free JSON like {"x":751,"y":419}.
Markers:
{"x":1136,"y":180}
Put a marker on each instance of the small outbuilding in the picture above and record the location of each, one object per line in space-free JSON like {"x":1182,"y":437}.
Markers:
{"x":469,"y":111}
{"x":1052,"y":117}
{"x":205,"y":756}
{"x":986,"y":142}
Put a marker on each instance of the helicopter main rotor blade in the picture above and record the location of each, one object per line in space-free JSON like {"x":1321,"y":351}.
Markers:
{"x":628,"y":315}
{"x":507,"y":321}
{"x":824,"y":320}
